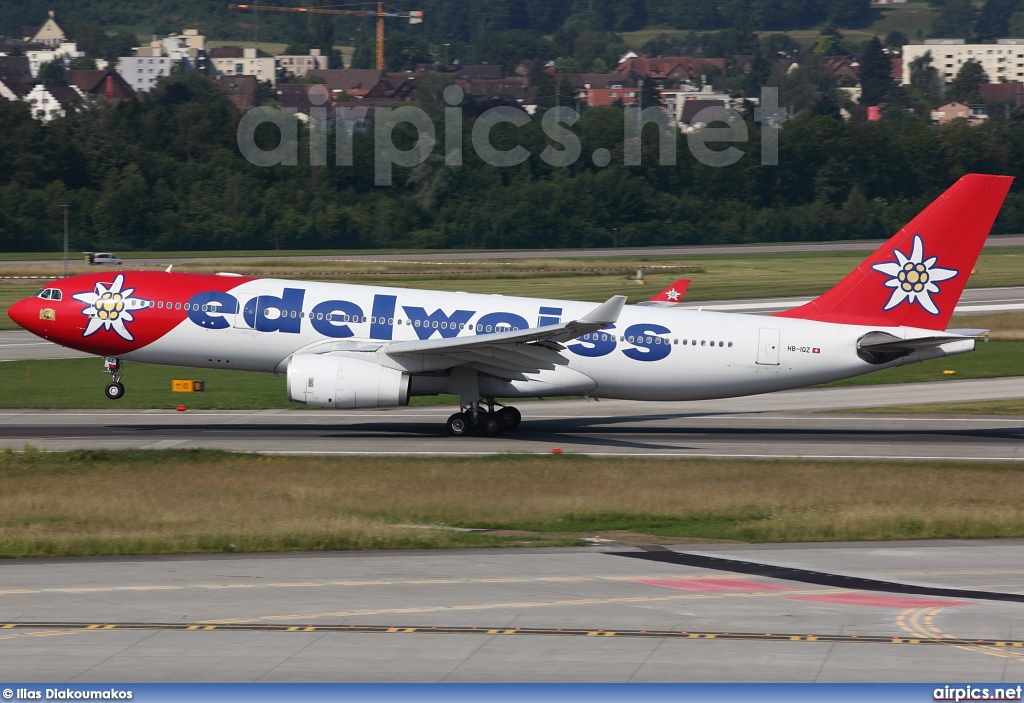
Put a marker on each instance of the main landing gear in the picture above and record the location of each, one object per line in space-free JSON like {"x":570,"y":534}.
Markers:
{"x":114,"y":389}
{"x":489,"y":422}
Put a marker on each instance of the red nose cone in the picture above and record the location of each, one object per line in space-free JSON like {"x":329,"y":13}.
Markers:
{"x":21,"y":313}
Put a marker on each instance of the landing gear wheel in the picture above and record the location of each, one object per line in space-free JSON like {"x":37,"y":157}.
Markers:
{"x":509,"y":417}
{"x":114,"y":391}
{"x":490,"y":425}
{"x":458,"y":424}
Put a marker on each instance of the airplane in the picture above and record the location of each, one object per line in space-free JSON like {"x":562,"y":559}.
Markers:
{"x":352,"y":346}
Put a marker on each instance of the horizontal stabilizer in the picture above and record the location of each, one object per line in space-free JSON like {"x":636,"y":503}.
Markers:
{"x":883,"y":342}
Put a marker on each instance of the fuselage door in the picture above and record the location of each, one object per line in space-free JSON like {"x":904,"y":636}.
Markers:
{"x":768,"y":347}
{"x":247,"y":310}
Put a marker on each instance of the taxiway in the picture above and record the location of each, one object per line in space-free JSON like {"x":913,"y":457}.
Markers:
{"x":605,"y":613}
{"x":775,"y":425}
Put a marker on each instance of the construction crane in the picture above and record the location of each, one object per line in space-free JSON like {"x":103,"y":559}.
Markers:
{"x":380,"y":12}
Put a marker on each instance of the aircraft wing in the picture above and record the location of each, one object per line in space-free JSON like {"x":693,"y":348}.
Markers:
{"x":512,"y":353}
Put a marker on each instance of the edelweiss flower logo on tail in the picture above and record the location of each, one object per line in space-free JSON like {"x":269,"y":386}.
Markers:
{"x":914,"y":277}
{"x":110,"y":308}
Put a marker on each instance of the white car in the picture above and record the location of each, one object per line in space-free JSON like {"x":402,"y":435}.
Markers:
{"x":106,"y":259}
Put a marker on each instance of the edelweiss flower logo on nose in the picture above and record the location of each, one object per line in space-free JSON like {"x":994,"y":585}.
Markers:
{"x":110,"y":308}
{"x":914,"y":277}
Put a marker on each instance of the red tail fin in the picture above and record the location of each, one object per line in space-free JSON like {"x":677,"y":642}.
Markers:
{"x":674,"y":293}
{"x":916,"y":278}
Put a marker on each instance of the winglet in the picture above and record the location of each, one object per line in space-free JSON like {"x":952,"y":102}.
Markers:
{"x":607,"y":313}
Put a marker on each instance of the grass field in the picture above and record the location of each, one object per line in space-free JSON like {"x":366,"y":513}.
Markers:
{"x":908,"y":18}
{"x":78,"y":383}
{"x":136,"y":502}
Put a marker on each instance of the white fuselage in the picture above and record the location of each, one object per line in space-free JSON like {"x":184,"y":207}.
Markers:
{"x":651,"y":353}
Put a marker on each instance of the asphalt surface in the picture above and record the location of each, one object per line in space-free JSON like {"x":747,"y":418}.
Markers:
{"x":19,"y":345}
{"x":775,"y":425}
{"x":1011,"y":240}
{"x":609,"y":613}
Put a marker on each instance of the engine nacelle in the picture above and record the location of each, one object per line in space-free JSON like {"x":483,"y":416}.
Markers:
{"x":325,"y":381}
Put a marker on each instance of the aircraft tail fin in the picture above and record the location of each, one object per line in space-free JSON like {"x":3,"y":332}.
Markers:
{"x":673,"y":295}
{"x":916,"y":278}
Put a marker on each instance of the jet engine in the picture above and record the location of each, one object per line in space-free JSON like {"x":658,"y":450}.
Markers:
{"x":324,"y":381}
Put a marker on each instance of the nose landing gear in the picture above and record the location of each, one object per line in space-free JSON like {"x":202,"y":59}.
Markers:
{"x":114,"y":389}
{"x":489,"y":422}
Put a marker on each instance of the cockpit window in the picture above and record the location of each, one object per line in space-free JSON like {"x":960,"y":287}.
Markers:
{"x":54,"y":294}
{"x":48,"y":294}
{"x":39,"y":293}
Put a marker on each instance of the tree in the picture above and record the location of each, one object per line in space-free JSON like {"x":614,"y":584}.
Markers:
{"x":119,"y":44}
{"x":363,"y":56}
{"x":956,"y":19}
{"x":51,"y":73}
{"x":82,"y":63}
{"x":90,"y":37}
{"x":566,"y":64}
{"x":875,"y":73}
{"x":599,"y":66}
{"x":320,"y":33}
{"x":994,"y":18}
{"x":964,"y":87}
{"x":402,"y":53}
{"x":826,"y":106}
{"x":925,"y":79}
{"x":265,"y":93}
{"x":896,"y":39}
{"x":544,"y":84}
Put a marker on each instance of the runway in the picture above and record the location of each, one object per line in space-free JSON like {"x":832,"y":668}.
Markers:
{"x":18,"y":345}
{"x":775,"y":425}
{"x":1006,"y":240}
{"x":610,"y":613}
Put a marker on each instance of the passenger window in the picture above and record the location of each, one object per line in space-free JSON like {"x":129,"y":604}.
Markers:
{"x":702,"y":342}
{"x":177,"y":306}
{"x":730,"y":345}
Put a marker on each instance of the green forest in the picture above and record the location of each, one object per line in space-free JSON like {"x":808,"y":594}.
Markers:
{"x":166,"y":174}
{"x":444,"y":20}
